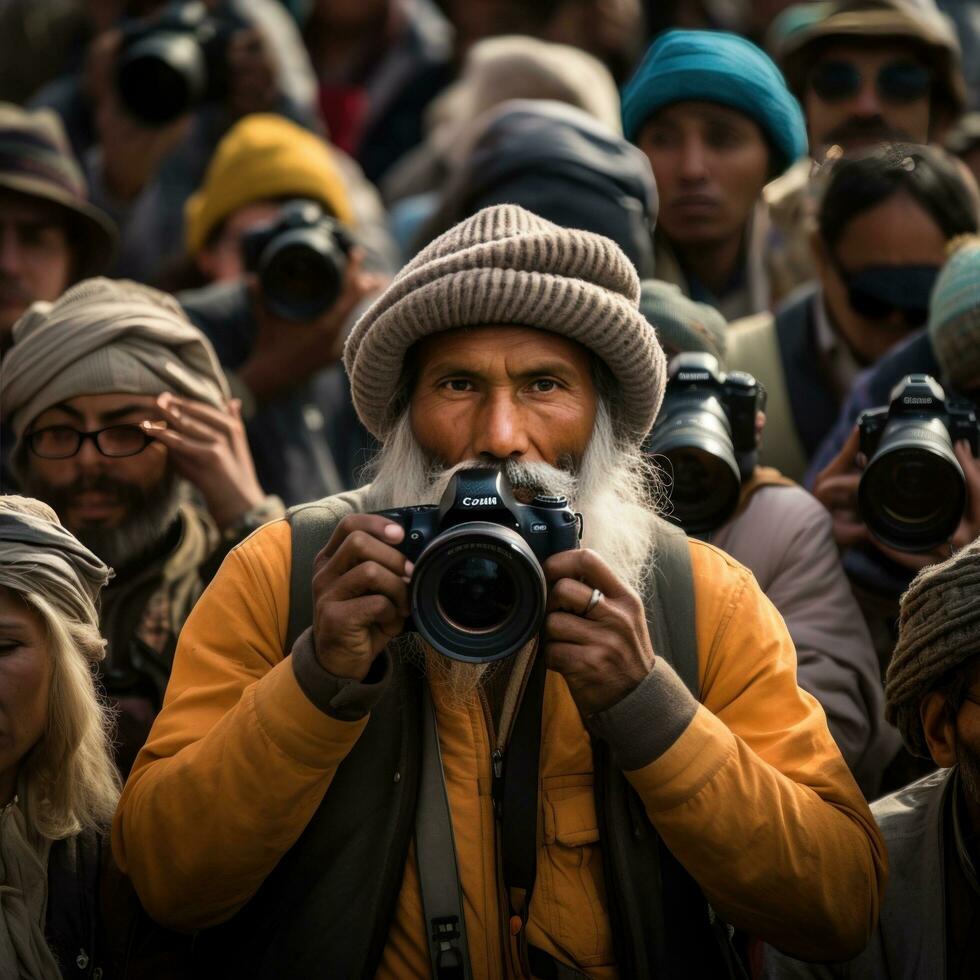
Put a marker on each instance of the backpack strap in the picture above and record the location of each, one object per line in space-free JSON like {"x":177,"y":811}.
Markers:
{"x":670,"y":606}
{"x":311,"y":526}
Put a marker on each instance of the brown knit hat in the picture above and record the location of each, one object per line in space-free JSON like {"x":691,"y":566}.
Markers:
{"x":938,"y":629}
{"x":505,"y":265}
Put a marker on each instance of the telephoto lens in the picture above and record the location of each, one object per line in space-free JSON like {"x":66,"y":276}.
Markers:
{"x":912,"y":493}
{"x":300,"y":259}
{"x":704,"y":440}
{"x":478,"y":591}
{"x":170,"y":64}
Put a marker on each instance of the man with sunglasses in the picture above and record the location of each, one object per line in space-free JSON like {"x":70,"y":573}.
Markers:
{"x":929,"y":924}
{"x":885,"y":219}
{"x":866,"y":72}
{"x":121,"y":415}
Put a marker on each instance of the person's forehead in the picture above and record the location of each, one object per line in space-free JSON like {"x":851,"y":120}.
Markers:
{"x":480,"y":344}
{"x":96,"y":405}
{"x":871,"y":51}
{"x":16,"y":207}
{"x":699,"y":111}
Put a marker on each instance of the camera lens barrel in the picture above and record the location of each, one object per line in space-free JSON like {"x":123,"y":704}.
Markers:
{"x":692,"y":445}
{"x":478,"y":593}
{"x":913,"y":492}
{"x":162,"y":76}
{"x":302,"y":273}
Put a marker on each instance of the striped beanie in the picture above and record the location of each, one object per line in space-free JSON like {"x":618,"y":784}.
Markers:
{"x":36,"y":160}
{"x":954,"y":314}
{"x":938,"y":630}
{"x":507,"y":266}
{"x":714,"y":66}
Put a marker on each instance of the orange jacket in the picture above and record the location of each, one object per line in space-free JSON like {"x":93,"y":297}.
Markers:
{"x":752,"y":797}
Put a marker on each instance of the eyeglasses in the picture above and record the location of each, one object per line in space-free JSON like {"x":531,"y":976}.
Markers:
{"x":898,"y":82}
{"x":879,"y":292}
{"x":63,"y":442}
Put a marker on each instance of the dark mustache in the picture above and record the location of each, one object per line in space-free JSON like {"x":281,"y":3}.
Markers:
{"x":874,"y":127}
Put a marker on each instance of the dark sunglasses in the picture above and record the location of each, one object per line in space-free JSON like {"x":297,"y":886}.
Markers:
{"x":879,"y":292}
{"x":63,"y":442}
{"x":897,"y":82}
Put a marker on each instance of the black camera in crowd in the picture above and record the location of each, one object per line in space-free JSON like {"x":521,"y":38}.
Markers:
{"x":174,"y":61}
{"x":300,"y":259}
{"x":912,"y":493}
{"x":478,"y":592}
{"x":704,"y":440}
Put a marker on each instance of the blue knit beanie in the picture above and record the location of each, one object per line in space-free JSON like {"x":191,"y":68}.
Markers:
{"x":714,"y":66}
{"x":954,"y":313}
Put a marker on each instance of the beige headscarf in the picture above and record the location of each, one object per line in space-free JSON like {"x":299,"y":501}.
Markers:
{"x":105,"y":336}
{"x":36,"y":554}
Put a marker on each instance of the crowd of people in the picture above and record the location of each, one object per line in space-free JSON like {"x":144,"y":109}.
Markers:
{"x":489,"y":489}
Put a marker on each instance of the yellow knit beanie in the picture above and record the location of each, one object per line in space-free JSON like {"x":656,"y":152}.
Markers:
{"x":264,"y":156}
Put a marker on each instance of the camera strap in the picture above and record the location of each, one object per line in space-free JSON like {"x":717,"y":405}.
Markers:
{"x":515,"y":794}
{"x":435,"y":852}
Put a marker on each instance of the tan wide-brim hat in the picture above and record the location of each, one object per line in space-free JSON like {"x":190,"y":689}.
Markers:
{"x":36,"y":160}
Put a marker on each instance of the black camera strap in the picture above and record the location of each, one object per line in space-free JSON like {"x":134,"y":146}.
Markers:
{"x":515,"y":793}
{"x":435,"y":851}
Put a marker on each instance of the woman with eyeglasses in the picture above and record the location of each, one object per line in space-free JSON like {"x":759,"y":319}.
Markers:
{"x":884,"y":221}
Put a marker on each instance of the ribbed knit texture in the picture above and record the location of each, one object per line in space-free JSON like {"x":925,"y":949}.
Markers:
{"x":938,"y":629}
{"x":506,"y":266}
{"x":714,"y":66}
{"x":954,"y":315}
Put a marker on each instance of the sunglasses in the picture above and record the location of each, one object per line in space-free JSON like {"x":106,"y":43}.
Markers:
{"x":879,"y":292}
{"x":897,"y":82}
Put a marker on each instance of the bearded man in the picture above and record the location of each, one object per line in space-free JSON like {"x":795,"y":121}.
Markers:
{"x":121,"y":413}
{"x":510,"y":342}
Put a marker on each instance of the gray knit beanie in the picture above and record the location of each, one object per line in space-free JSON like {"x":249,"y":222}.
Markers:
{"x":681,"y":323}
{"x":506,"y":266}
{"x":938,"y":629}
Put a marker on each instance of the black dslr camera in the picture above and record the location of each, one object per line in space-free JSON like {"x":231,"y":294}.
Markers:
{"x":175,"y":61}
{"x":478,"y":592}
{"x":704,"y":439}
{"x":912,"y":493}
{"x":300,"y":259}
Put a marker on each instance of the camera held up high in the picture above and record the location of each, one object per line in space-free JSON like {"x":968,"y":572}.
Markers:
{"x":704,"y":439}
{"x":300,"y":259}
{"x":478,"y":592}
{"x":912,"y":493}
{"x":171,"y":63}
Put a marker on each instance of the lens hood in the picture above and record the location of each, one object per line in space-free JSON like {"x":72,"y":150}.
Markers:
{"x":478,"y":593}
{"x":912,"y":493}
{"x":693,"y":446}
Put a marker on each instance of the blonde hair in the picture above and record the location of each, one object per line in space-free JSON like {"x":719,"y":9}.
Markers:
{"x":68,"y":779}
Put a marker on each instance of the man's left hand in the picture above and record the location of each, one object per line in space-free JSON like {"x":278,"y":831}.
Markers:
{"x":603,"y":652}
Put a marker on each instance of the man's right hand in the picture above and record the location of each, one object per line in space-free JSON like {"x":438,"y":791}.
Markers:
{"x":360,"y":594}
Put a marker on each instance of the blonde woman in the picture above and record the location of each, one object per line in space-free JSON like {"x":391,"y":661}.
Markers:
{"x":58,"y":784}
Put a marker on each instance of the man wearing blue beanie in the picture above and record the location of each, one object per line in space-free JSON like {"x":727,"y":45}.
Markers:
{"x":717,"y":122}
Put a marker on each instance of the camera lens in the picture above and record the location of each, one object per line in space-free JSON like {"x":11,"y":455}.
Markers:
{"x":478,"y":593}
{"x":913,"y":492}
{"x":161,"y":77}
{"x":692,"y":444}
{"x":302,"y":273}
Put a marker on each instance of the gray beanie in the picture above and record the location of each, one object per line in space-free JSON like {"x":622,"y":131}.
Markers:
{"x":507,"y":266}
{"x":938,"y":629}
{"x":681,"y":323}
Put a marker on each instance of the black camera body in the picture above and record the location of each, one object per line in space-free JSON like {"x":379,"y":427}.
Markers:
{"x":300,"y":259}
{"x":704,"y":439}
{"x":478,"y":592}
{"x":175,"y":61}
{"x":912,"y":493}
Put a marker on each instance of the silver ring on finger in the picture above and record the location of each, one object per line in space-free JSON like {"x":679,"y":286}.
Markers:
{"x":594,"y":601}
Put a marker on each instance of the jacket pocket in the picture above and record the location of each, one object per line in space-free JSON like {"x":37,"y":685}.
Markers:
{"x":571,"y":889}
